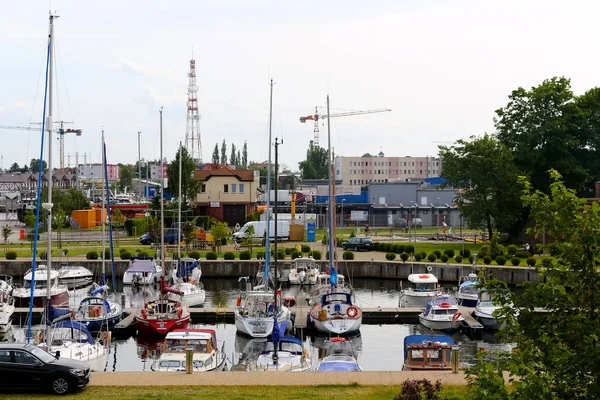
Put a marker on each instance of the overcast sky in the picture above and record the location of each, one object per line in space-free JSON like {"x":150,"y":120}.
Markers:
{"x":443,"y":67}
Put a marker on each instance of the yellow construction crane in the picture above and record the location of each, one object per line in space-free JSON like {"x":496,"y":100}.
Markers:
{"x":317,"y":116}
{"x":61,"y":135}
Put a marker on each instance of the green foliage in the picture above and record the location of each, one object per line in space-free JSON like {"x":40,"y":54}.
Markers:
{"x":487,"y":260}
{"x":486,"y":379}
{"x":471,"y":259}
{"x":401,"y":249}
{"x":211,"y":255}
{"x":194,"y":254}
{"x":387,"y":247}
{"x":500,"y":260}
{"x":126,"y":255}
{"x":288,"y":250}
{"x":296,"y":254}
{"x":404,"y":256}
{"x":11,"y":255}
{"x":229,"y":255}
{"x":145,"y":253}
{"x":432,"y":257}
{"x":65,"y":200}
{"x":444,"y":258}
{"x":92,"y":255}
{"x":465,"y":253}
{"x":423,"y":254}
{"x":515,"y":261}
{"x":512,"y":249}
{"x":394,"y":249}
{"x":522,"y":254}
{"x":531,"y":261}
{"x":348,"y":255}
{"x":316,"y":254}
{"x":245,"y":255}
{"x":449,"y":252}
{"x":483,"y":251}
{"x":189,"y":186}
{"x":546,"y":262}
{"x":43,"y":255}
{"x":409,"y":248}
{"x":418,"y":257}
{"x":437,"y":254}
{"x":34,"y":165}
{"x":419,"y":389}
{"x":352,"y":234}
{"x":316,"y":165}
{"x":390,"y":256}
{"x":220,"y":232}
{"x":458,"y":259}
{"x":305,"y":248}
{"x":126,"y":174}
{"x":495,"y":249}
{"x":260,"y":255}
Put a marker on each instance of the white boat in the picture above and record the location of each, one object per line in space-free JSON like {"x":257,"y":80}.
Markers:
{"x":335,"y":315}
{"x":468,"y":289}
{"x":75,"y":276}
{"x":441,"y":314}
{"x":59,"y":294}
{"x":142,"y":271}
{"x":291,"y":356}
{"x":255,"y":310}
{"x":484,"y":311}
{"x":422,"y":287}
{"x":340,"y":356}
{"x":187,"y":274}
{"x":323,"y":286}
{"x":98,"y":314}
{"x":304,"y":272}
{"x":206,"y":354}
{"x":7,"y":306}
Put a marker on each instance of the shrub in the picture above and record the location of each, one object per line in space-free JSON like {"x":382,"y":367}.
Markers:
{"x":553,"y":249}
{"x":327,"y":255}
{"x":394,"y":248}
{"x":348,"y":255}
{"x":305,"y":248}
{"x":296,"y":254}
{"x":483,"y":251}
{"x":449,"y":252}
{"x":515,"y":261}
{"x":316,"y":254}
{"x":404,"y":256}
{"x":390,"y":256}
{"x":122,"y":250}
{"x":245,"y":255}
{"x":43,"y":255}
{"x":409,"y":248}
{"x":419,"y":389}
{"x":211,"y":255}
{"x":107,"y":254}
{"x":431,"y":257}
{"x":418,"y":257}
{"x":260,"y":255}
{"x":531,"y":261}
{"x":92,"y":255}
{"x":546,"y":262}
{"x":444,"y":258}
{"x":145,"y":254}
{"x":387,"y":247}
{"x":288,"y":250}
{"x":471,"y":259}
{"x":523,"y":254}
{"x":229,"y":255}
{"x":194,"y":254}
{"x":458,"y":259}
{"x":437,"y":253}
{"x":466,"y":253}
{"x":11,"y":255}
{"x":376,"y":246}
{"x":280,"y":254}
{"x":125,"y":255}
{"x":401,"y":248}
{"x":538,"y":248}
{"x":512,"y":249}
{"x":487,"y":260}
{"x":500,"y":260}
{"x":65,"y":252}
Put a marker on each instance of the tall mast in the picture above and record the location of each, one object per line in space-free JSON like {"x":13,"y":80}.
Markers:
{"x":102,"y":217}
{"x":331,"y":191}
{"x":162,"y":199}
{"x":267,"y":212}
{"x":179,"y":207}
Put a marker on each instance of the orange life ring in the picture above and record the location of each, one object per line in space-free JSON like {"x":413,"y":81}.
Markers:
{"x":179,"y":312}
{"x":352,"y":312}
{"x":456,"y":316}
{"x":238,"y":302}
{"x":338,"y":339}
{"x":423,"y":276}
{"x":445,"y":304}
{"x":144,"y":313}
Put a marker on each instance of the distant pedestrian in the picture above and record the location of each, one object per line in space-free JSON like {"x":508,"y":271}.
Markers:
{"x":237,"y":226}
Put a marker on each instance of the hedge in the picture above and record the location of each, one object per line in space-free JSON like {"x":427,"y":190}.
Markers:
{"x":390,"y":256}
{"x":296,"y":254}
{"x":531,"y":261}
{"x":501,"y":260}
{"x":418,"y":257}
{"x":431,"y":257}
{"x":11,"y":255}
{"x":444,"y":258}
{"x":125,"y":255}
{"x":409,"y":248}
{"x":487,"y":260}
{"x":194,"y":254}
{"x":458,"y":259}
{"x":515,"y":261}
{"x":245,"y":255}
{"x":92,"y":255}
{"x":348,"y":255}
{"x":449,"y":252}
{"x":211,"y":255}
{"x":316,"y":254}
{"x":404,"y":256}
{"x":229,"y":255}
{"x":305,"y":248}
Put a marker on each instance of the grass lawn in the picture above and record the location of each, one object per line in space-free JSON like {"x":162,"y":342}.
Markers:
{"x":342,"y":392}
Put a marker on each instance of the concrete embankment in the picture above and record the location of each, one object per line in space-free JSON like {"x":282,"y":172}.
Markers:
{"x":352,"y":269}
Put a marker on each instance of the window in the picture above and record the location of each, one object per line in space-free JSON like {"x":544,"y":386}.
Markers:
{"x":241,"y":188}
{"x":226,"y":188}
{"x":233,"y":188}
{"x":22,"y":357}
{"x":4,"y":356}
{"x":204,"y":188}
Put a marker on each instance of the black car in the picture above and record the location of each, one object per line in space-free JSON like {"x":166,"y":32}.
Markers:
{"x":24,"y":366}
{"x":358,"y":243}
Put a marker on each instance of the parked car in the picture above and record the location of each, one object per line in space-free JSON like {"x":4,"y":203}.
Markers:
{"x":28,"y":366}
{"x":400,"y":223}
{"x":358,"y":243}
{"x":171,"y":236}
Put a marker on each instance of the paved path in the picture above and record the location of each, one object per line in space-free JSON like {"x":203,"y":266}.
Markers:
{"x":395,"y":378}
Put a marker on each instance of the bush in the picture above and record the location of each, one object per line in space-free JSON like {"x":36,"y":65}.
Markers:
{"x":316,"y":254}
{"x":288,"y":250}
{"x":229,"y":255}
{"x":419,"y":389}
{"x":11,"y":255}
{"x":531,"y":261}
{"x":515,"y":261}
{"x":194,"y":254}
{"x":387,"y":247}
{"x":280,"y":254}
{"x":223,"y":241}
{"x":211,"y":255}
{"x":487,"y":260}
{"x":305,"y":248}
{"x":122,"y":250}
{"x":501,"y":260}
{"x":553,"y":249}
{"x":65,"y":252}
{"x":92,"y":255}
{"x":423,"y":254}
{"x":145,"y":254}
{"x":125,"y":255}
{"x":260,"y":255}
{"x":458,"y":259}
{"x":432,"y":257}
{"x":401,"y":248}
{"x":409,"y":248}
{"x":471,"y":259}
{"x":352,"y":234}
{"x":444,"y":258}
{"x":348,"y":255}
{"x":418,"y":257}
{"x":449,"y":252}
{"x":538,"y":248}
{"x":483,"y":251}
{"x":511,"y":249}
{"x":296,"y":254}
{"x":523,"y":254}
{"x":107,"y":254}
{"x":466,"y":253}
{"x":43,"y":255}
{"x":245,"y":255}
{"x":404,"y":256}
{"x":394,"y":248}
{"x":390,"y":256}
{"x":437,"y":253}
{"x":546,"y":262}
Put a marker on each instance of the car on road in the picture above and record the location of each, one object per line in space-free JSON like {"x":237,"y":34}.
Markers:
{"x":358,"y":243}
{"x":171,"y":236}
{"x":26,"y":366}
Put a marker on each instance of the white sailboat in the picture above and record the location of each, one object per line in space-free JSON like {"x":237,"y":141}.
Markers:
{"x":7,"y":303}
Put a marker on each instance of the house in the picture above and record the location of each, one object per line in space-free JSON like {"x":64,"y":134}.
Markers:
{"x":227,"y":194}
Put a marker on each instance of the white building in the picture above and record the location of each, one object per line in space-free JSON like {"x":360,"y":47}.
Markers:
{"x":96,"y":172}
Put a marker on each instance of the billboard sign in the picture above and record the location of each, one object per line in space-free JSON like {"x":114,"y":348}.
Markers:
{"x":359,"y":216}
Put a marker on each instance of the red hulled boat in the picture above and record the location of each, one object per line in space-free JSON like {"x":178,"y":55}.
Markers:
{"x":162,"y":315}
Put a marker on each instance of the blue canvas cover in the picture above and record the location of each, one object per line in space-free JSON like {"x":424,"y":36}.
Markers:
{"x":418,"y":339}
{"x":54,"y":314}
{"x":337,"y":366}
{"x":184,"y":268}
{"x":75,"y":326}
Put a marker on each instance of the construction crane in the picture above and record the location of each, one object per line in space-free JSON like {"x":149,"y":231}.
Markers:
{"x":61,"y":135}
{"x":316,"y":118}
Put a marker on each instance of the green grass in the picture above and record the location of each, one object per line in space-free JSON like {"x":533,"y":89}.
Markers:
{"x":321,"y":392}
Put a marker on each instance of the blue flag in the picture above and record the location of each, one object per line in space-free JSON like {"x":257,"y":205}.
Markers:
{"x":333,"y":277}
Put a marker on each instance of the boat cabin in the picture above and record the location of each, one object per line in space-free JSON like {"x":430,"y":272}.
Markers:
{"x":427,"y":352}
{"x":423,"y":282}
{"x":200,"y":340}
{"x":93,"y":307}
{"x":288,"y":344}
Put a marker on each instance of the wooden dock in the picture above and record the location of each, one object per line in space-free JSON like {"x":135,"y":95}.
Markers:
{"x":470,"y":322}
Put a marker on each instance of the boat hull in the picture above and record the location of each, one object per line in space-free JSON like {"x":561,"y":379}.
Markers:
{"x":488,"y":321}
{"x":449,"y":325}
{"x":466,"y":301}
{"x":101,"y":324}
{"x":161,"y":326}
{"x":409,"y":298}
{"x":76,"y":282}
{"x":338,"y":327}
{"x":254,"y":327}
{"x":220,"y":365}
{"x":57,"y":299}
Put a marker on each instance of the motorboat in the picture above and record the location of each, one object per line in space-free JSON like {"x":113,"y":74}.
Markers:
{"x":142,"y":271}
{"x":484,"y":311}
{"x":7,"y":303}
{"x":422,"y":287}
{"x":187,"y":281}
{"x":75,"y":276}
{"x":59,"y":294}
{"x":428,"y":353}
{"x":291,"y":356}
{"x":336,"y":315}
{"x":206,"y":354}
{"x":340,"y":357}
{"x":163,"y":314}
{"x":98,"y":314}
{"x":323,"y":286}
{"x":468,"y":289}
{"x":441,"y":314}
{"x":304,"y":272}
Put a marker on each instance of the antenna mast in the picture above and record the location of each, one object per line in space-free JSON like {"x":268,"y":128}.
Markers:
{"x":192,"y":130}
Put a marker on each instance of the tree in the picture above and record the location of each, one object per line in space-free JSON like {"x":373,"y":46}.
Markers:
{"x":316,"y":165}
{"x":59,"y":219}
{"x":219,"y":232}
{"x":238,"y":160}
{"x":232,"y":159}
{"x":142,"y":168}
{"x":29,"y":220}
{"x":14,"y":168}
{"x":189,"y":234}
{"x":215,"y":155}
{"x":25,"y":169}
{"x":126,"y":174}
{"x":484,"y":171}
{"x":34,"y":165}
{"x":66,"y":200}
{"x":557,"y":355}
{"x":224,"y":152}
{"x":6,"y":231}
{"x":248,"y":235}
{"x":153,"y":227}
{"x":189,"y":186}
{"x":245,"y":155}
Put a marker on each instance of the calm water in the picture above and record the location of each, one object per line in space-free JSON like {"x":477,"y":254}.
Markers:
{"x":379,"y":347}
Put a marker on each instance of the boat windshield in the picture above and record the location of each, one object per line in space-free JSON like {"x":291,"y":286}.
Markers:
{"x":486,"y":303}
{"x":39,"y":284}
{"x":469,"y":289}
{"x":68,"y":334}
{"x":181,"y":345}
{"x":284,"y":346}
{"x":341,"y":350}
{"x":424,"y":287}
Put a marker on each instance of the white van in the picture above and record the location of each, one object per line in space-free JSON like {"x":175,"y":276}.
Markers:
{"x":260,"y":227}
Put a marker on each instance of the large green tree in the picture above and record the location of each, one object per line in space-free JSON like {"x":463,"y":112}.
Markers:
{"x":66,"y":200}
{"x":557,"y":354}
{"x":215,"y":154}
{"x":245,"y":155}
{"x":316,"y":165}
{"x":34,"y":165}
{"x":223,"y":152}
{"x":483,"y":170}
{"x":126,"y":174}
{"x":189,"y":186}
{"x":233,"y":157}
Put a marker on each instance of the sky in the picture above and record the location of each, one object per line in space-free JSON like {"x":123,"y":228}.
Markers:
{"x":442,"y":67}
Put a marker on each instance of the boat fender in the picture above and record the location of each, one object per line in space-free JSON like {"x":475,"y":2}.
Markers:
{"x":4,"y":297}
{"x":72,"y":314}
{"x":40,"y":337}
{"x":179,"y":312}
{"x":305,"y":352}
{"x":456,"y":316}
{"x":106,"y":337}
{"x":352,"y":312}
{"x":238,"y":302}
{"x":144,"y":313}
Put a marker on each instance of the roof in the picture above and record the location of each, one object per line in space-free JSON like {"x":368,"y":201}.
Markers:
{"x":422,"y":278}
{"x":192,"y":334}
{"x":241,"y":175}
{"x":142,"y":266}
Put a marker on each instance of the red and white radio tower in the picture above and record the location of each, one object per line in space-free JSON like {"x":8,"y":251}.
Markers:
{"x":192,"y":130}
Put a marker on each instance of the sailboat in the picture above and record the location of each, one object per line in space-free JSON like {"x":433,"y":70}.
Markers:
{"x":7,"y":306}
{"x":334,"y":312}
{"x":163,"y":314}
{"x":257,"y":307}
